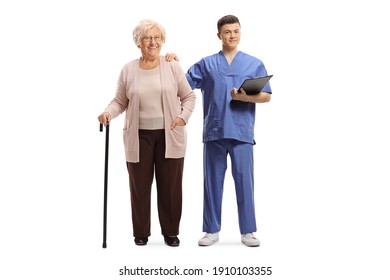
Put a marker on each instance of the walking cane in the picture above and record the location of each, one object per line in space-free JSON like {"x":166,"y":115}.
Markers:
{"x":105,"y":184}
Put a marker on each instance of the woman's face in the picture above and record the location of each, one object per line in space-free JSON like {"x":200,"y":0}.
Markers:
{"x":151,"y":43}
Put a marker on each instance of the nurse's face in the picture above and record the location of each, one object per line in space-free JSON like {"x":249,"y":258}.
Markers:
{"x":230,"y":35}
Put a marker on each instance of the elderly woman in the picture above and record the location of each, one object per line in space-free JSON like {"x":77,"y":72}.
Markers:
{"x":158,"y":102}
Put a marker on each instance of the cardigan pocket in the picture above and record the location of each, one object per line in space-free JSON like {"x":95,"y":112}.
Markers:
{"x":179,"y":136}
{"x":129,"y":137}
{"x":131,"y":143}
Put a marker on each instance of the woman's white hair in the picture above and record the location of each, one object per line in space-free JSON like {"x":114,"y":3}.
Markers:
{"x":143,"y":27}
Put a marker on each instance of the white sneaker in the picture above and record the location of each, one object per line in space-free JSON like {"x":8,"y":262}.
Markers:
{"x":209,"y":239}
{"x":250,"y":240}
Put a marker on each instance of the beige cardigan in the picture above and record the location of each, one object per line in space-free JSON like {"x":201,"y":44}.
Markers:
{"x":178,"y":100}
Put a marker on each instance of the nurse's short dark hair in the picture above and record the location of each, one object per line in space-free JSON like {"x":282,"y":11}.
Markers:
{"x":229,"y":19}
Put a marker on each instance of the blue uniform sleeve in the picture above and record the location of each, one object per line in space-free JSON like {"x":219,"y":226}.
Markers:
{"x":194,"y":75}
{"x":261,"y":73}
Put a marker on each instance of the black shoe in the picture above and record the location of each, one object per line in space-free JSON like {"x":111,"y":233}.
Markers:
{"x":172,"y":241}
{"x":141,"y":241}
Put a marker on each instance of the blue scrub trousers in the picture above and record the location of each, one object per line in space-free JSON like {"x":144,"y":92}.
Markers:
{"x":215,"y":164}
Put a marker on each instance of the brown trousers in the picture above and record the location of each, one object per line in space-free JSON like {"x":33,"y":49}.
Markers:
{"x":169,"y":175}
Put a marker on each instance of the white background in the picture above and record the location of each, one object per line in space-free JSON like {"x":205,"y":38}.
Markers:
{"x":321,"y":159}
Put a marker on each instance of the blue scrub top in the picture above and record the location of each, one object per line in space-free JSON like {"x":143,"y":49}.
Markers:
{"x":222,"y":117}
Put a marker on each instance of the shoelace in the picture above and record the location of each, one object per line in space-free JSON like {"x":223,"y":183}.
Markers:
{"x":209,"y":235}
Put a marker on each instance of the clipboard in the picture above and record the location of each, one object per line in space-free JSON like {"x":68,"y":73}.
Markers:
{"x":255,"y":85}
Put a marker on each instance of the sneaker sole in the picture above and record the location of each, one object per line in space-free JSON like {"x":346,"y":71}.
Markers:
{"x":250,"y":245}
{"x":205,"y":245}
